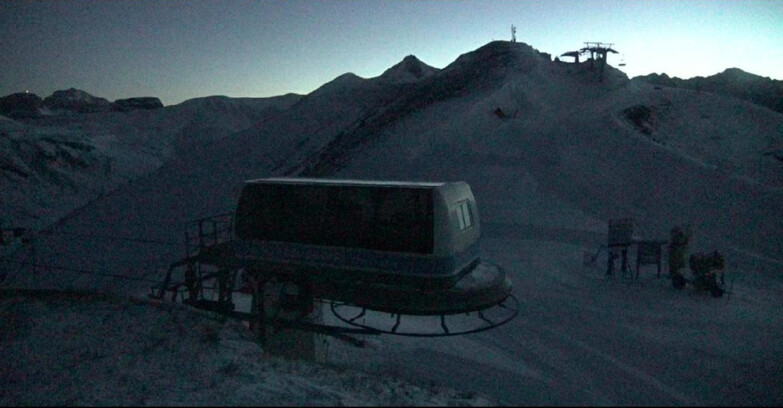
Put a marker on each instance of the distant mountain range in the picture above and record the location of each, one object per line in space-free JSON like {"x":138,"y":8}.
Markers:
{"x":731,"y":82}
{"x":27,"y":105}
{"x":520,"y":128}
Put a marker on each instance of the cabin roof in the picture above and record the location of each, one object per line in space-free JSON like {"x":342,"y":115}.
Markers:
{"x":345,"y":182}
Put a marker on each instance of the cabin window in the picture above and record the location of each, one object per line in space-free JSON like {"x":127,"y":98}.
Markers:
{"x":464,"y":215}
{"x":379,"y":218}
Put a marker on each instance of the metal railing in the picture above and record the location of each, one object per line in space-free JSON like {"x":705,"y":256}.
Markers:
{"x":207,"y":232}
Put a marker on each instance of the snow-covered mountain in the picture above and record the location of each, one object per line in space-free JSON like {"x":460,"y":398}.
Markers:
{"x":694,"y":158}
{"x":24,"y":105}
{"x":552,"y":152}
{"x":52,"y":164}
{"x":21,"y":105}
{"x":734,"y":82}
{"x":77,"y":101}
{"x":410,"y":69}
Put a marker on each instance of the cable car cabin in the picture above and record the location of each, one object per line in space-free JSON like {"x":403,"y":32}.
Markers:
{"x":409,"y":234}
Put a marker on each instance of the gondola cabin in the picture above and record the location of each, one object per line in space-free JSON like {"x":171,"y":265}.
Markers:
{"x":419,"y":234}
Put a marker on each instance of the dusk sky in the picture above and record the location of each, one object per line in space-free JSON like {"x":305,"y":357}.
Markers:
{"x":177,"y":50}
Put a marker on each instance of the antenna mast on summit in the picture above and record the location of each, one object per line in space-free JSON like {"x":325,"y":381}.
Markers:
{"x":513,"y":33}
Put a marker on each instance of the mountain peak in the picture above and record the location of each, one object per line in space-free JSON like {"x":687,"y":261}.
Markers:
{"x":501,"y":55}
{"x":410,"y":69}
{"x":738,"y":75}
{"x":20,"y":104}
{"x":73,"y":99}
{"x":73,"y":94}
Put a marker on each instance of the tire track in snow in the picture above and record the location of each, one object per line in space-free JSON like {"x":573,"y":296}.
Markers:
{"x":569,"y":373}
{"x":633,"y":371}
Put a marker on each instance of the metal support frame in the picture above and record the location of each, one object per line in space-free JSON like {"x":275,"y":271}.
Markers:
{"x":649,"y":252}
{"x":507,"y":310}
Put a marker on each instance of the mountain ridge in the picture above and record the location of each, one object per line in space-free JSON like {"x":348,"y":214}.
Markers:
{"x":504,"y":103}
{"x":733,"y":82}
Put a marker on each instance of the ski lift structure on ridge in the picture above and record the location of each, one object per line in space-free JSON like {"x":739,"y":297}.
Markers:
{"x":389,"y":257}
{"x":598,"y":51}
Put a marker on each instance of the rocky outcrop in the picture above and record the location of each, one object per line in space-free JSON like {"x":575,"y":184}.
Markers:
{"x":146,"y":102}
{"x":20,"y":105}
{"x":76,"y":100}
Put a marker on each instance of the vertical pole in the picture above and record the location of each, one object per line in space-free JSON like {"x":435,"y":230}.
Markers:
{"x":443,"y":324}
{"x":35,"y":261}
{"x":200,"y":235}
{"x":226,"y":282}
{"x":190,"y":281}
{"x":187,"y":244}
{"x":624,"y":261}
{"x":610,"y":263}
{"x":258,"y":321}
{"x":639,"y":248}
{"x":294,"y":305}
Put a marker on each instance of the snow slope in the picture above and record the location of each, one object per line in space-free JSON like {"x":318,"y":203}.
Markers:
{"x":551,"y":154}
{"x":53,"y":164}
{"x":115,"y":351}
{"x":547,"y":177}
{"x":568,"y":136}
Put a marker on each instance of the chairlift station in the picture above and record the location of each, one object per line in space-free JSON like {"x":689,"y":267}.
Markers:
{"x":384,"y":251}
{"x":598,"y":52}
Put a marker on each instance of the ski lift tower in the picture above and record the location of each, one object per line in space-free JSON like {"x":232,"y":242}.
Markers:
{"x":599,"y":50}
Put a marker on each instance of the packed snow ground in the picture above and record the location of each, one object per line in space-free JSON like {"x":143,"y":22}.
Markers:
{"x":582,"y":339}
{"x":89,"y":349}
{"x":548,"y":173}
